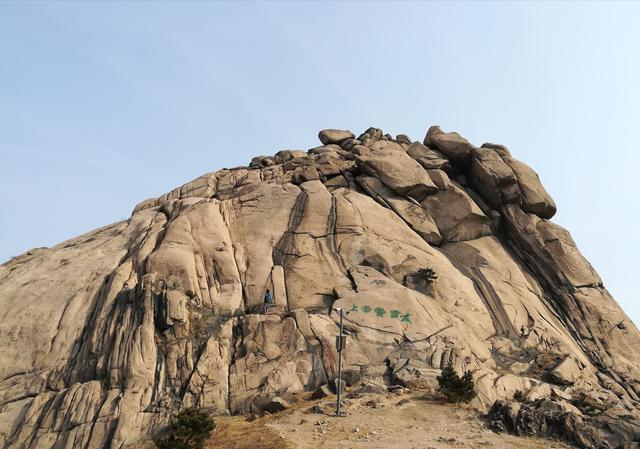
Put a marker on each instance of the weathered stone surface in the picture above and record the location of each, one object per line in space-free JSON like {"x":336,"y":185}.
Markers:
{"x":457,"y":216}
{"x":321,"y":392}
{"x":337,"y":136}
{"x":427,"y":157}
{"x":440,"y":179}
{"x":559,"y":420}
{"x":388,"y":162}
{"x":415,"y":216}
{"x":416,"y":375}
{"x":500,"y":149}
{"x":452,"y":145}
{"x":492,"y":178}
{"x":566,"y":373}
{"x":553,"y":246}
{"x":535,"y":198}
{"x":274,"y":362}
{"x":107,"y":335}
{"x":276,"y":405}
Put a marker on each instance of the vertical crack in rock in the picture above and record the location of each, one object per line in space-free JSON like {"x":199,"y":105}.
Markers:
{"x":283,"y":248}
{"x":237,"y":339}
{"x":224,"y":212}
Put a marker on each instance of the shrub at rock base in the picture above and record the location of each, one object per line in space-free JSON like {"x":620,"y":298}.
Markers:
{"x":188,"y":430}
{"x":454,"y":387}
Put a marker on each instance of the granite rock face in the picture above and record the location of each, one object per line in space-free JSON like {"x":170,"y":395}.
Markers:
{"x":107,"y":335}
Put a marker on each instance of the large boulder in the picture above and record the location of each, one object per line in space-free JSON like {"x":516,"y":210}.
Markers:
{"x":566,"y":373}
{"x":535,"y":198}
{"x":388,"y":162}
{"x":559,"y":419}
{"x":457,"y":216}
{"x":334,"y":136}
{"x":428,"y":158}
{"x":492,"y":178}
{"x":451,"y":144}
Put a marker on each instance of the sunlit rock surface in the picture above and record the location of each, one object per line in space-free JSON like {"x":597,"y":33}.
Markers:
{"x":106,"y":335}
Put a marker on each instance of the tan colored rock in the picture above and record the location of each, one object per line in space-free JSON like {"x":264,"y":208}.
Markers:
{"x":307,"y":251}
{"x":203,"y":186}
{"x":493,"y":179}
{"x":535,"y":198}
{"x":427,"y":157}
{"x":108,"y":335}
{"x":566,"y":373}
{"x":416,"y":375}
{"x":388,"y":162}
{"x":335,"y":136}
{"x":452,"y":145}
{"x":415,"y":216}
{"x":275,"y":362}
{"x":208,"y":386}
{"x":439,"y":178}
{"x":457,"y":216}
{"x":278,"y":286}
{"x":500,"y":149}
{"x":554,"y":246}
{"x":254,"y":250}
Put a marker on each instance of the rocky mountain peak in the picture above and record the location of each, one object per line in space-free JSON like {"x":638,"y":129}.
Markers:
{"x":109,"y":334}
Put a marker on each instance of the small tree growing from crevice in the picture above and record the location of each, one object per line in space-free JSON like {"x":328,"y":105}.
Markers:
{"x":428,"y":275}
{"x":456,"y":388}
{"x":519,"y":396}
{"x":421,"y":280}
{"x":189,"y":429}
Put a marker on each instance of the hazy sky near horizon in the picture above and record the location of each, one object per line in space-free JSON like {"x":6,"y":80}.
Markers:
{"x":104,"y":104}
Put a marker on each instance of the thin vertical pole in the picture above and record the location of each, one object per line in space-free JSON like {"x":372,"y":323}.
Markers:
{"x":339,"y":383}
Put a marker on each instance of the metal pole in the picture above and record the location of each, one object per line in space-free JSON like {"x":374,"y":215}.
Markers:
{"x":339,"y":383}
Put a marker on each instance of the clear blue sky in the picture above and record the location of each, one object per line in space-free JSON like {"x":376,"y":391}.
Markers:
{"x":105,"y":104}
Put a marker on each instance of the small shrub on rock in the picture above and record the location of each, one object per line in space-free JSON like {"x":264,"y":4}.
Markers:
{"x":428,"y":275}
{"x":519,"y":396}
{"x":188,"y":430}
{"x":456,"y":388}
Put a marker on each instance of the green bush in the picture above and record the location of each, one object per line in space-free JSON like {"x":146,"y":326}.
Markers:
{"x":454,"y":387}
{"x":519,"y":396}
{"x":428,"y":275}
{"x":188,"y":430}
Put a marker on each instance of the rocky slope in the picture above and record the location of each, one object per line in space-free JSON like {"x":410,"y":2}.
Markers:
{"x":108,"y":334}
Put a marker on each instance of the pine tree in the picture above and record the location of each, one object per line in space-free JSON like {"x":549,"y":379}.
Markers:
{"x":454,"y":387}
{"x":188,"y":430}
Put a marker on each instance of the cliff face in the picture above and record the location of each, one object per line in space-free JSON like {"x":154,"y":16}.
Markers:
{"x":104,"y":336}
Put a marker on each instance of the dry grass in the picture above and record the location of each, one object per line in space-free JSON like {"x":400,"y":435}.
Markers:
{"x":235,"y":433}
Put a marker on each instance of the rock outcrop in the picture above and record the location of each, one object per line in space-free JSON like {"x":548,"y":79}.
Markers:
{"x":109,"y":334}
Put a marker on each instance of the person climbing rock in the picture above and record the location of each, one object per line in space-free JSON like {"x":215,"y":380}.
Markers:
{"x":268,"y":299}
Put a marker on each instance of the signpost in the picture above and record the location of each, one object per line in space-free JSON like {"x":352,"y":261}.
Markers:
{"x":341,"y":343}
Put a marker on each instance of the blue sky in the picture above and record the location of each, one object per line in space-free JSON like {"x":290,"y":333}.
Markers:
{"x":105,"y":104}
